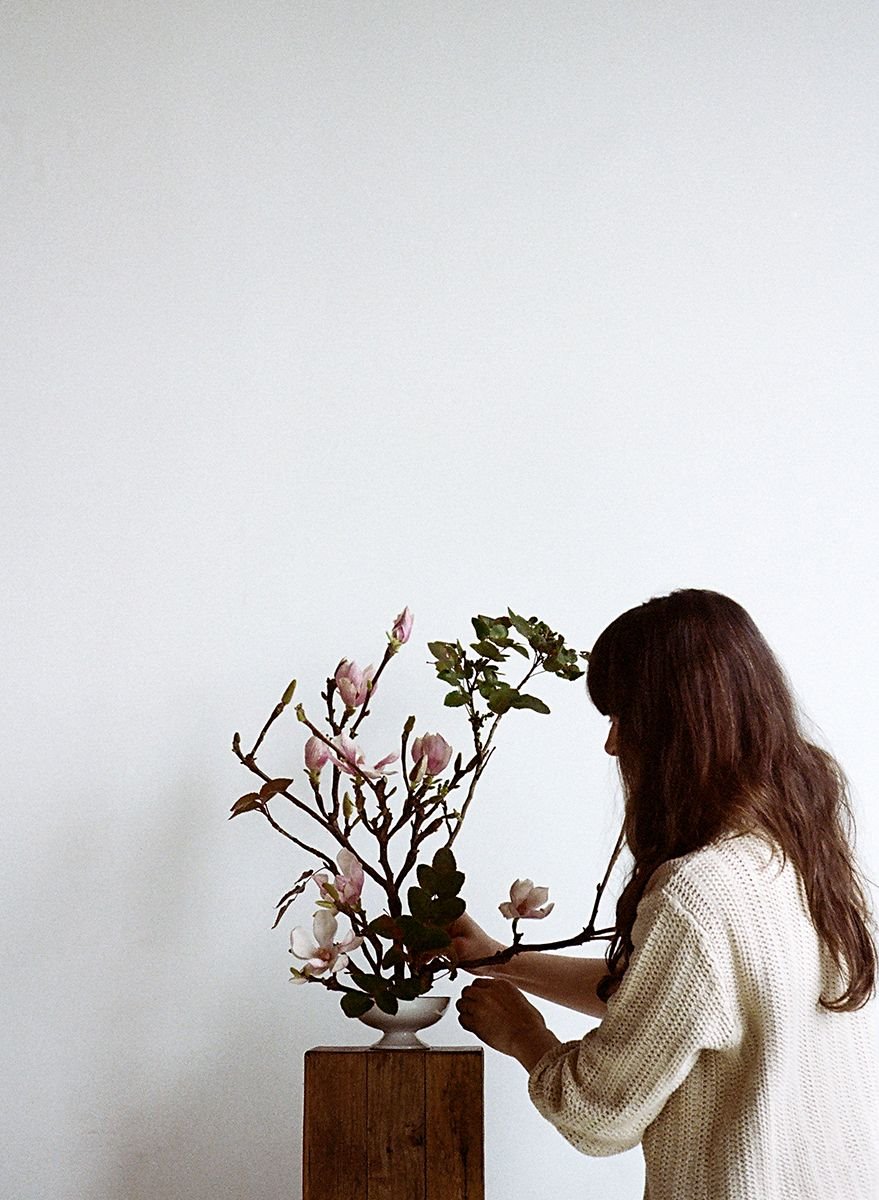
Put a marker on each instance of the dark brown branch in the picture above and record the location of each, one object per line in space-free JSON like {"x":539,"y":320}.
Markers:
{"x":278,"y":709}
{"x":503,"y":956}
{"x":364,"y":711}
{"x":599,"y":891}
{"x":324,"y":858}
{"x":484,"y":752}
{"x":324,"y":823}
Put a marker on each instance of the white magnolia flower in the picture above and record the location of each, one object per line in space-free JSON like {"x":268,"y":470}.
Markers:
{"x":525,"y":902}
{"x":350,"y":758}
{"x":319,"y":950}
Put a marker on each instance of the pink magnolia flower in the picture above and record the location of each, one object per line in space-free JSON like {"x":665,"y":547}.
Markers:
{"x":349,"y":756}
{"x":316,"y":755}
{"x":348,"y":884}
{"x":525,"y":901}
{"x":319,"y":950}
{"x":402,"y":630}
{"x":435,"y":750}
{"x":354,"y":685}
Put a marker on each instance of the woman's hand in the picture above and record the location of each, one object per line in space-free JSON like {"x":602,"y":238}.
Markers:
{"x":469,"y":941}
{"x":500,"y":1016}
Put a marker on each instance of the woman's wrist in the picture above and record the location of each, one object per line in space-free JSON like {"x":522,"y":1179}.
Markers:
{"x":531,"y":1046}
{"x":501,"y":970}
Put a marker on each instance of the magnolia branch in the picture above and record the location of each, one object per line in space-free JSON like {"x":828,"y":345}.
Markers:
{"x":485,"y":751}
{"x":588,"y":934}
{"x":325,"y":824}
{"x":503,"y":956}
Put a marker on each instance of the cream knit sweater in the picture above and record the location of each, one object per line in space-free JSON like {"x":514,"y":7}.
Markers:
{"x":714,"y":1053}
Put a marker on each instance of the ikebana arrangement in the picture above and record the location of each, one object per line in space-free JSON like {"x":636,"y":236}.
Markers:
{"x":379,"y":819}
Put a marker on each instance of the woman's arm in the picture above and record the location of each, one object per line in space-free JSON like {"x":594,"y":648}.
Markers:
{"x":561,"y":978}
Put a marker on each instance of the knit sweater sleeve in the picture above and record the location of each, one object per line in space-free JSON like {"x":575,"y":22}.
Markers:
{"x":602,"y":1092}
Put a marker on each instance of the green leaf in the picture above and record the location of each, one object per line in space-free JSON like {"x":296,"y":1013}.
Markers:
{"x":444,"y":912}
{"x":387,"y":1002}
{"x":410,"y":989}
{"x":419,"y":903}
{"x":355,"y":1004}
{"x":443,"y":651}
{"x":444,"y":861}
{"x":490,"y":651}
{"x":370,"y":984}
{"x":427,"y":877}
{"x":501,"y":699}
{"x":449,"y":885}
{"x":532,"y":702}
{"x":481,"y":626}
{"x":419,"y":937}
{"x":385,"y":927}
{"x":455,"y":699}
{"x":521,"y":625}
{"x":394,"y":956}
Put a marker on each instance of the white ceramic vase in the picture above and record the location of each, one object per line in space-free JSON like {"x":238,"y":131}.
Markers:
{"x":400,"y":1029}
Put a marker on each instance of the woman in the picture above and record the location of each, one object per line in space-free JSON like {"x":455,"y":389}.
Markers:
{"x":734,"y":1042}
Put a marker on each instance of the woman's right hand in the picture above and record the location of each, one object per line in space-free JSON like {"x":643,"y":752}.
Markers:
{"x":470,"y":941}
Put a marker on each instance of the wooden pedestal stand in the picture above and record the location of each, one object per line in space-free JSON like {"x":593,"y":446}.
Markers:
{"x":393,"y":1124}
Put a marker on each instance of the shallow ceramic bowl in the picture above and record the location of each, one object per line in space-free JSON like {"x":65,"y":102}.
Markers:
{"x":400,"y":1029}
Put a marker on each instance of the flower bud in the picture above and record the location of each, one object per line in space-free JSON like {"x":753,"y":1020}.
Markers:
{"x":402,"y":630}
{"x":316,"y":755}
{"x":435,"y":748}
{"x":354,"y":685}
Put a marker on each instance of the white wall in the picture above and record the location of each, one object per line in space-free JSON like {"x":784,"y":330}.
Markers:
{"x":319,"y":309}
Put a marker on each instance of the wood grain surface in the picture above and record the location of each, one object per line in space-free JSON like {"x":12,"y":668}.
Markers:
{"x":393,"y":1124}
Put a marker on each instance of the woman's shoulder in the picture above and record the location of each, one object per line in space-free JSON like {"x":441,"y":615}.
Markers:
{"x":728,"y":876}
{"x":730,"y":853}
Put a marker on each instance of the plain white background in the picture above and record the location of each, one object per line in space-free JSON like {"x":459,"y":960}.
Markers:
{"x":313,"y":310}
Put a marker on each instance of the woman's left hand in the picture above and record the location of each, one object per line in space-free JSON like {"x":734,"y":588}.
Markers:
{"x":500,"y":1016}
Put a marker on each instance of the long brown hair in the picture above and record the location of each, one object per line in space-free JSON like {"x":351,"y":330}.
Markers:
{"x":710,"y":743}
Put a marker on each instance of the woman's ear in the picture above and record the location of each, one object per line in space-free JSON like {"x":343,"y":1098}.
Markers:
{"x":610,"y":745}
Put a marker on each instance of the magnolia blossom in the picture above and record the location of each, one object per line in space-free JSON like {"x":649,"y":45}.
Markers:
{"x":319,"y":950}
{"x":434,"y":751}
{"x":525,"y":901}
{"x":402,"y":630}
{"x":316,"y":755}
{"x":350,"y":758}
{"x":354,"y":685}
{"x":348,"y":884}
